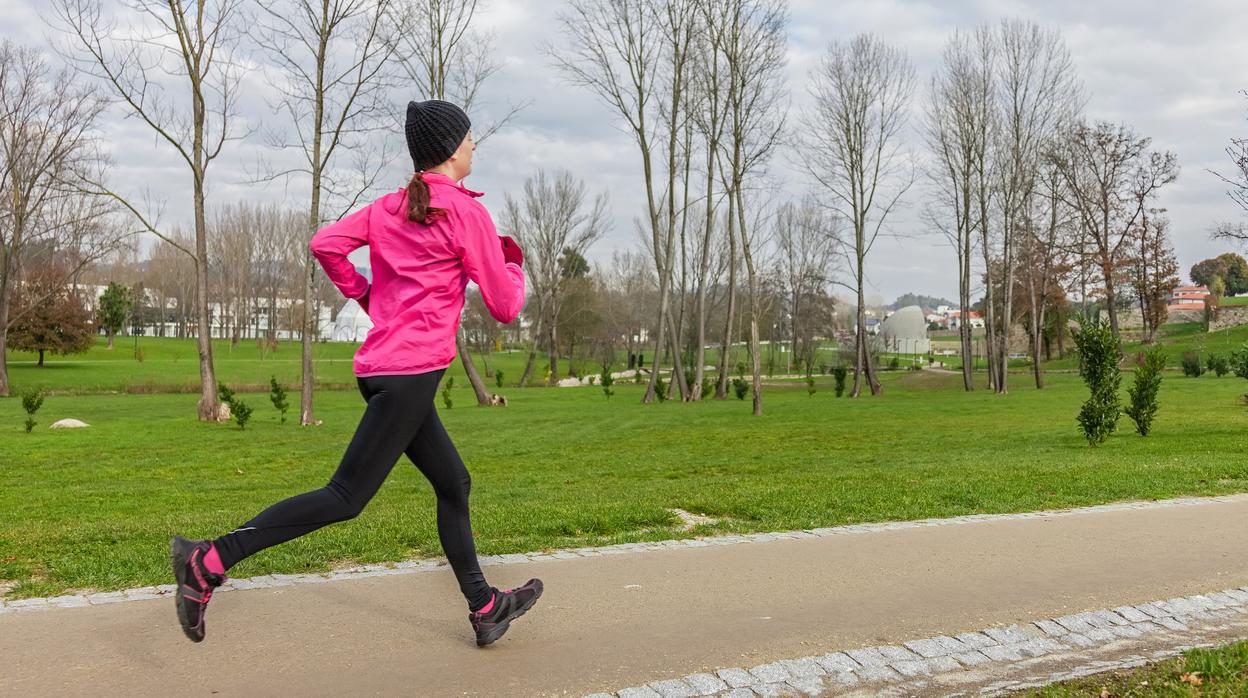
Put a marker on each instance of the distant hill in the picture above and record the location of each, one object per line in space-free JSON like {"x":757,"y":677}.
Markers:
{"x":920,"y":300}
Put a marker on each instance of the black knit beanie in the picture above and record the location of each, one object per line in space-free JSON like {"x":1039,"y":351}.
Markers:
{"x":434,"y":131}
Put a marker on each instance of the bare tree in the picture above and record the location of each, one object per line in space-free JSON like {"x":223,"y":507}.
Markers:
{"x":550,"y":220}
{"x":47,"y":145}
{"x":1237,"y":190}
{"x":1045,"y":264}
{"x":630,"y":284}
{"x":709,"y":87}
{"x":753,"y":49}
{"x":628,"y":52}
{"x":233,"y":255}
{"x":1109,"y":177}
{"x":194,"y":45}
{"x":806,"y":236}
{"x":852,"y":149}
{"x":1154,"y":270}
{"x":959,"y":125}
{"x":329,"y":56}
{"x":1039,"y":96}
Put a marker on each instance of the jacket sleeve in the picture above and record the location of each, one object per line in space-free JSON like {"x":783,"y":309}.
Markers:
{"x":334,"y":242}
{"x":501,"y":282}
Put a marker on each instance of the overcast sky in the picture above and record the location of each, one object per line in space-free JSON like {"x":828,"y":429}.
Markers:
{"x":1172,"y":70}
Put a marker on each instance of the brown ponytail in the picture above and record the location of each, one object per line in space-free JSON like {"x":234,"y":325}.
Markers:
{"x":418,"y":208}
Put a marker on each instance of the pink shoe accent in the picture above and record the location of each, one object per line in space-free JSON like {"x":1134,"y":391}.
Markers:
{"x":212,"y":561}
{"x":199,"y":577}
{"x":488,"y":607}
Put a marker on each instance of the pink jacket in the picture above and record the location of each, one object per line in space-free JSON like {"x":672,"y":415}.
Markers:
{"x":419,"y":275}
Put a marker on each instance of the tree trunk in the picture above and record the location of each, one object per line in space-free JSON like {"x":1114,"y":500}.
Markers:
{"x":40,"y":358}
{"x":478,"y":387}
{"x":757,"y":368}
{"x":110,"y":339}
{"x":658,"y":340}
{"x":1111,"y":299}
{"x":721,"y":385}
{"x":1038,"y":368}
{"x":1007,"y":311}
{"x":5,"y":390}
{"x":678,"y":370}
{"x":990,"y":317}
{"x":207,"y":406}
{"x":754,"y":303}
{"x":699,"y":353}
{"x":860,"y":331}
{"x":862,"y":359}
{"x":553,"y":348}
{"x":535,"y":332}
{"x":964,"y":301}
{"x":1037,"y":328}
{"x":306,"y":417}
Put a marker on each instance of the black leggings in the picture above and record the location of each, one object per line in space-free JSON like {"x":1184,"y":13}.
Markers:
{"x":400,"y":418}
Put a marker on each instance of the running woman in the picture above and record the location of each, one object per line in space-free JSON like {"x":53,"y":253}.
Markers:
{"x":425,"y":243}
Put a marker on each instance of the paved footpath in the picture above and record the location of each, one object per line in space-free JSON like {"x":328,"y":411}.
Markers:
{"x":631,"y":616}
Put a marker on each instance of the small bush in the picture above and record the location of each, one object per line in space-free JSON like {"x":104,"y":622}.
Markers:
{"x":637,"y":377}
{"x":277,"y":395}
{"x":446,"y":392}
{"x":32,"y":400}
{"x":498,"y":378}
{"x":1192,"y":367}
{"x":1099,"y":350}
{"x":608,"y":380}
{"x":660,"y":388}
{"x":1239,"y":362}
{"x":1218,"y":365}
{"x":1144,"y":390}
{"x":894,"y":364}
{"x":241,"y":412}
{"x":708,"y":386}
{"x":740,"y":388}
{"x":810,"y":386}
{"x":839,"y":374}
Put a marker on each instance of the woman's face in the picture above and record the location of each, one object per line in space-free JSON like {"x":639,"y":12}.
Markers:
{"x":461,"y":161}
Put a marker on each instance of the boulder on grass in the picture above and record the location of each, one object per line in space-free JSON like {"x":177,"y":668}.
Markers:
{"x":69,"y":424}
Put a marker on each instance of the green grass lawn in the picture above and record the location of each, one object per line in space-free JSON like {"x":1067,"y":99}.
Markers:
{"x":93,"y":508}
{"x":172,"y":365}
{"x":1203,"y":673}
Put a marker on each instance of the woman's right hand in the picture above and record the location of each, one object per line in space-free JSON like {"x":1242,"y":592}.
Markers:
{"x":511,"y":251}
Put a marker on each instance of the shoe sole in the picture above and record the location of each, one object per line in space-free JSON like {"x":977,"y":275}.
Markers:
{"x":498,"y":630}
{"x":179,"y":560}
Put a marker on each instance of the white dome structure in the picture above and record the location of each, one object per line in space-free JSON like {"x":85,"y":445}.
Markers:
{"x":905,"y":332}
{"x":352,"y":324}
